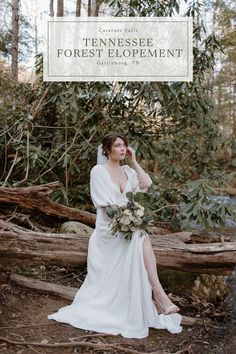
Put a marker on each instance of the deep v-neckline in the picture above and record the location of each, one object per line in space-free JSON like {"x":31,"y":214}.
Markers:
{"x":114,"y":182}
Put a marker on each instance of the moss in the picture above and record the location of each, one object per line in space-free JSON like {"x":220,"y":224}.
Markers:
{"x":177,"y":282}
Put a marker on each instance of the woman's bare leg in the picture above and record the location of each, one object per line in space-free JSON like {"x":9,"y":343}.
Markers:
{"x":150,"y":264}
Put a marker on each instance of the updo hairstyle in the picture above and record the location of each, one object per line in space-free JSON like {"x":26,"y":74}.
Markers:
{"x":108,"y":141}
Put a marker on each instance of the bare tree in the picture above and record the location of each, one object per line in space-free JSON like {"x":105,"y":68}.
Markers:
{"x":78,"y":8}
{"x":89,"y":8}
{"x":15,"y":39}
{"x":92,"y":7}
{"x":51,"y":8}
{"x":60,"y":8}
{"x":97,"y":5}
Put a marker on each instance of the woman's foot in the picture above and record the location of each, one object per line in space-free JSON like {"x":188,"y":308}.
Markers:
{"x":170,"y":310}
{"x":162,"y":302}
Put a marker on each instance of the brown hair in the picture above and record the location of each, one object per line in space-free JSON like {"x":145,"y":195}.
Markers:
{"x":108,"y":141}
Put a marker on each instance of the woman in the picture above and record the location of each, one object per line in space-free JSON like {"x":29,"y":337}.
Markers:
{"x":116,"y":295}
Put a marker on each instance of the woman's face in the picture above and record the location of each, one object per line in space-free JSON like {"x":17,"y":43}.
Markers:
{"x":118,"y":150}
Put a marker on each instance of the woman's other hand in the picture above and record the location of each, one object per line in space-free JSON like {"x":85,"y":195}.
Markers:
{"x":131,"y":154}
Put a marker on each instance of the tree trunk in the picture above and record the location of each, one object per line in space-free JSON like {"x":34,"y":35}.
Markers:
{"x":15,"y":39}
{"x":60,"y":8}
{"x":89,"y":8}
{"x":78,"y":8}
{"x":36,"y":198}
{"x":44,"y":286}
{"x":51,"y":8}
{"x":19,"y":246}
{"x":97,"y":4}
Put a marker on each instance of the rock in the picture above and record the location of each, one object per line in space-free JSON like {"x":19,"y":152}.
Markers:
{"x":44,"y":341}
{"x":210,"y":287}
{"x":75,"y":227}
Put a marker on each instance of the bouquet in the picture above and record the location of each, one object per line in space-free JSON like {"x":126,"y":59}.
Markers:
{"x":129,"y":217}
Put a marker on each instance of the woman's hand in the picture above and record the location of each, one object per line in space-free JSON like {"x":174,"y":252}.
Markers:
{"x":131,"y":154}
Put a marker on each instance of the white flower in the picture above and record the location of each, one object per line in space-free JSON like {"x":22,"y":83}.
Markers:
{"x":137,"y":221}
{"x":127,"y":212}
{"x":124,"y":228}
{"x":125,"y":220}
{"x":139,"y":213}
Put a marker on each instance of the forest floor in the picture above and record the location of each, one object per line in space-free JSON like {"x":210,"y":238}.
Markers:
{"x":23,"y":317}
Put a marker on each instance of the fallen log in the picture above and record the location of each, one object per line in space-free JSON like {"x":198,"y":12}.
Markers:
{"x":19,"y":246}
{"x":36,"y":198}
{"x":69,"y":292}
{"x":227,"y":190}
{"x":43,"y":286}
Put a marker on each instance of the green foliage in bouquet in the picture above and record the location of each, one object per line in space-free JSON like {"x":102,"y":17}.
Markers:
{"x":129,"y":217}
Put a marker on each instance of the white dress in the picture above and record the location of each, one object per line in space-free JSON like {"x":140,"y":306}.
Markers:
{"x":116,"y":295}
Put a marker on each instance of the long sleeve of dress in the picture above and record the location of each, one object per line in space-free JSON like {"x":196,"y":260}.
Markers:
{"x":100,"y":192}
{"x":135,"y":181}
